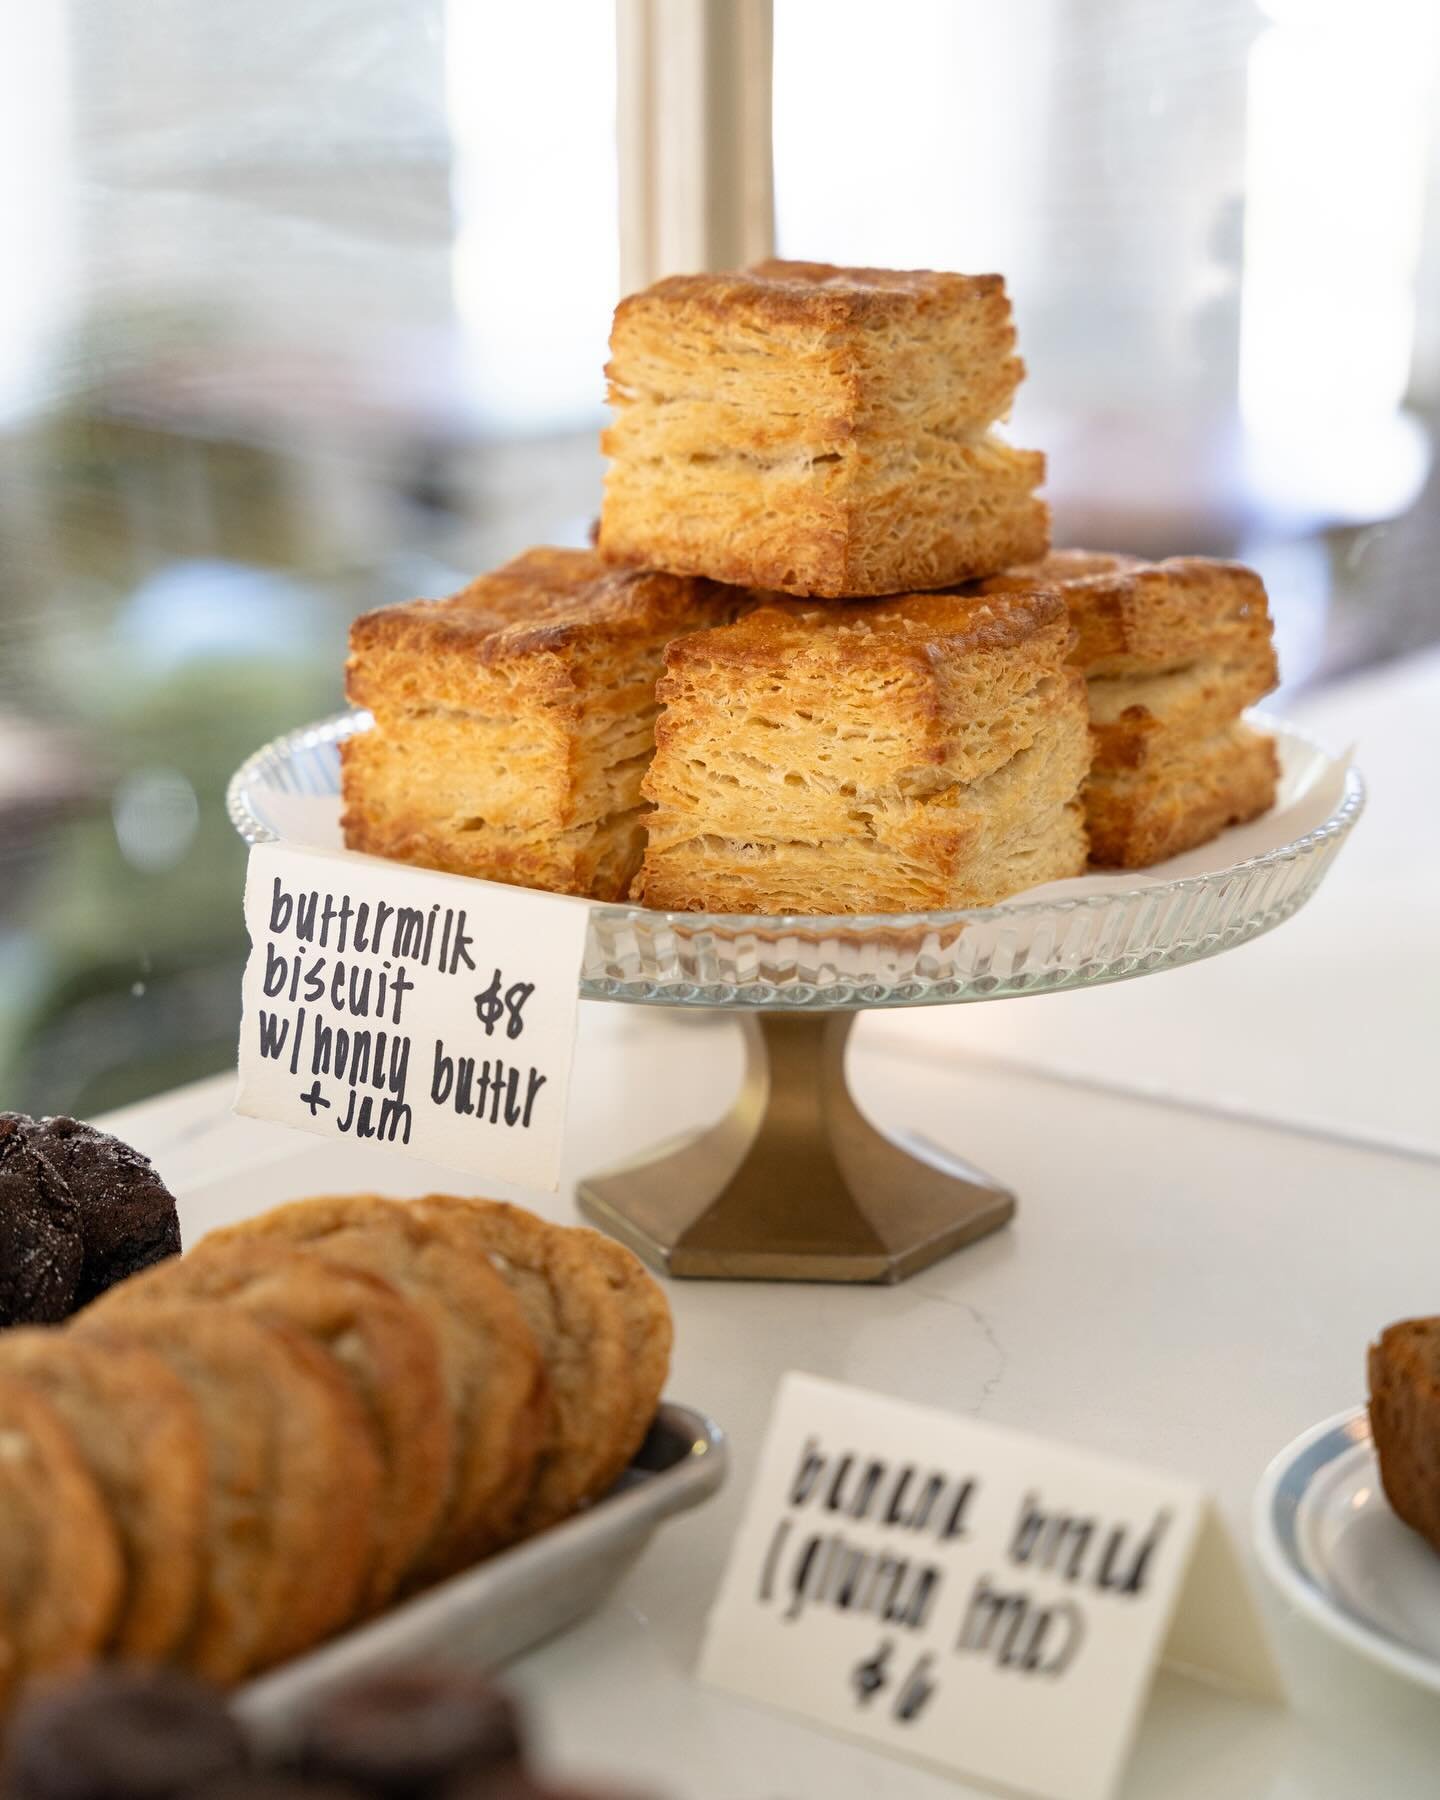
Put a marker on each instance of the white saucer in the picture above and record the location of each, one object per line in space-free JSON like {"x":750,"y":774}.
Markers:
{"x":1326,"y":1537}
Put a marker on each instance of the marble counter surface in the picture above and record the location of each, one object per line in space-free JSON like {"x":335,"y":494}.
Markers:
{"x":1229,"y":1178}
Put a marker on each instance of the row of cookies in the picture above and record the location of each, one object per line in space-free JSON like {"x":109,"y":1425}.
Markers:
{"x":946,"y":715}
{"x":242,"y":1450}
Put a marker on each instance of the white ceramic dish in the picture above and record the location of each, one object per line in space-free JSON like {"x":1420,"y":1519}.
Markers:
{"x":1327,"y":1538}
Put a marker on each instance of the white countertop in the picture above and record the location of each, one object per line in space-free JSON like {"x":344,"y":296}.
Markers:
{"x":1183,"y":1285}
{"x":1340,"y":1007}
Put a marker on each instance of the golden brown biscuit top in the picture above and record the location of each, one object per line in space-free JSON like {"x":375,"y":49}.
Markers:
{"x":857,"y":631}
{"x":806,"y":293}
{"x":1064,"y":566}
{"x":1085,"y":572}
{"x":544,"y":601}
{"x":1132,"y":615}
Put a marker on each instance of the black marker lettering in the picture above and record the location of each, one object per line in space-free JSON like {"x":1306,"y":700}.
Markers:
{"x":281,"y":907}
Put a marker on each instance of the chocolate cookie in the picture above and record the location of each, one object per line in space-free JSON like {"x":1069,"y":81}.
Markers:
{"x":494,"y":1375}
{"x":293,"y":1478}
{"x":122,"y":1734}
{"x":142,"y":1438}
{"x":409,"y":1733}
{"x":127,"y":1214}
{"x":386,"y":1347}
{"x":61,"y":1572}
{"x":41,"y":1249}
{"x":577,"y":1318}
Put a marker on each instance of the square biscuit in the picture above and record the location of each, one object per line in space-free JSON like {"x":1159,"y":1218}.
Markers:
{"x":1138,"y":719}
{"x":915,"y":753}
{"x":818,"y":431}
{"x":1133,"y":617}
{"x":1173,"y":653}
{"x":1198,"y":788}
{"x":514,"y":720}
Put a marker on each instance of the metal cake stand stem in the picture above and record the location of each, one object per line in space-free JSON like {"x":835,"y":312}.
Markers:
{"x":794,"y":1183}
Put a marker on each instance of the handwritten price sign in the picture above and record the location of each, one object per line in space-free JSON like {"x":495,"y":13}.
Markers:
{"x":987,"y":1602}
{"x":410,"y":1008}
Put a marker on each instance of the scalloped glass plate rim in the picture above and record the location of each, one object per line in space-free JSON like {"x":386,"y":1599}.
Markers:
{"x":338,"y":726}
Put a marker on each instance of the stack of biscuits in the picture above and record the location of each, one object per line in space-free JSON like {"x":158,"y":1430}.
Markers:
{"x":821,"y":659}
{"x":240,"y":1451}
{"x":1172,"y":654}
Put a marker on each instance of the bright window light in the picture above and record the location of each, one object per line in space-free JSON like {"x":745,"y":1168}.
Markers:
{"x":941,"y":152}
{"x":1334,"y":195}
{"x":530,"y":92}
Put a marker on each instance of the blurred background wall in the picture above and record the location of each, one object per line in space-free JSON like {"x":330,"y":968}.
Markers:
{"x":304,"y":311}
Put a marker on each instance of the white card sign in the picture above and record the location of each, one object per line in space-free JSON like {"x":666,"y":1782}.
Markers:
{"x":984,"y":1601}
{"x":398,"y":1006}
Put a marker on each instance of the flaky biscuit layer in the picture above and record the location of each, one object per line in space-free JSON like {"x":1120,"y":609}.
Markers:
{"x":1137,"y":618}
{"x":1180,"y":800}
{"x":921,"y":752}
{"x":818,"y":431}
{"x":514,"y":721}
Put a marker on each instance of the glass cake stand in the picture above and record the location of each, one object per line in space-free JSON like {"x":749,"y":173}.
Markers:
{"x":794,"y":1183}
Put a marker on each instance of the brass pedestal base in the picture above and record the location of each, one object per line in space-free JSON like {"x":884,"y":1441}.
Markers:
{"x":793,"y":1184}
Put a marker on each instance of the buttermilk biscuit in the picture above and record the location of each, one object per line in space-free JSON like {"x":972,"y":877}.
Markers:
{"x":580,"y":1322}
{"x":61,"y":1569}
{"x":494,"y":1378}
{"x":818,"y":431}
{"x":385,"y":1348}
{"x":513,"y":721}
{"x":143,"y":1440}
{"x":292,"y":1479}
{"x":1181,"y":799}
{"x":1141,"y":618}
{"x":1173,"y":653}
{"x":897,"y":756}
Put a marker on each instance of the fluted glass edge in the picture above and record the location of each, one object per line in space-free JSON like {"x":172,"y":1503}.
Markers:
{"x":893,"y":959}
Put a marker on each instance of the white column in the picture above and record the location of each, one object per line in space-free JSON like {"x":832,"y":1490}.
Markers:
{"x":694,"y":136}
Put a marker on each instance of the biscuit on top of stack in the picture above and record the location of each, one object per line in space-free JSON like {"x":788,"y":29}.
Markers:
{"x":820,"y":660}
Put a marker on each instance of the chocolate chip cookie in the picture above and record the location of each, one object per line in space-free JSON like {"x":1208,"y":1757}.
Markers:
{"x":649,"y":1336}
{"x":141,"y":1436}
{"x":61,"y":1572}
{"x":386,"y":1347}
{"x":494,"y":1374}
{"x":577,"y":1318}
{"x":292,"y":1480}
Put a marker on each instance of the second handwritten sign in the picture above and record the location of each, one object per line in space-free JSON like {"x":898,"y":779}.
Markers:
{"x":988,"y":1602}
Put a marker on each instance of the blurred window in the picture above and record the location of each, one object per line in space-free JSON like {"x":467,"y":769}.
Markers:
{"x":305,"y":311}
{"x":1220,"y":224}
{"x":534,"y":299}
